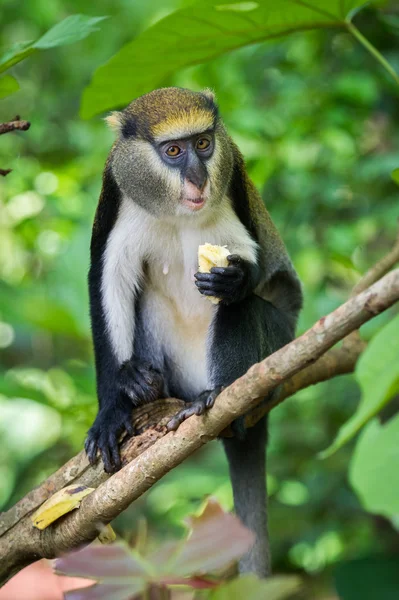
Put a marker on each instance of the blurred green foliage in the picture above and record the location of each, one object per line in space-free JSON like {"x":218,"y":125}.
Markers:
{"x":317,"y":120}
{"x":377,"y":373}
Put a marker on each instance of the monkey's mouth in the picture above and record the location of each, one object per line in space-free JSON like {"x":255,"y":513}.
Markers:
{"x":194,"y":203}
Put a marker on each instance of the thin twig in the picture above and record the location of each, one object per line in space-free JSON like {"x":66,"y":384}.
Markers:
{"x":385,"y":264}
{"x":374,"y":273}
{"x":15,"y":125}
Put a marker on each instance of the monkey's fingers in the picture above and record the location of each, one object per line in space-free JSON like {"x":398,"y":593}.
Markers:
{"x":129,"y":426}
{"x":178,"y":419}
{"x":234,"y":259}
{"x":213,"y":287}
{"x":103,"y":445}
{"x":205,"y":401}
{"x":91,"y":450}
{"x":216,"y":279}
{"x":140,"y":383}
{"x":196,"y":408}
{"x":219,"y":274}
{"x":231,"y":272}
{"x":109,"y":449}
{"x":115,"y":457}
{"x":152,"y":376}
{"x":210,"y":401}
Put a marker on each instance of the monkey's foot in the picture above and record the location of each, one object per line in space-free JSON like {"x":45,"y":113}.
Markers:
{"x":104,"y":436}
{"x":204,"y":401}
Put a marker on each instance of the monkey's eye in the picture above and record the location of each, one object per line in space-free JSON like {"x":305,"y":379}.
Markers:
{"x":173,"y":151}
{"x":202,"y":144}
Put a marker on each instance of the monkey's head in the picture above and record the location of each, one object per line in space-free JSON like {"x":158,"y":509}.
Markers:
{"x":173,"y":156}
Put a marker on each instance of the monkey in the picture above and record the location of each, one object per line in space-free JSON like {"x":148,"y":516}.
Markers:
{"x":174,"y":179}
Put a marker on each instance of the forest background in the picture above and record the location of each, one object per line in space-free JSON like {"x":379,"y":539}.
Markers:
{"x":316,"y":118}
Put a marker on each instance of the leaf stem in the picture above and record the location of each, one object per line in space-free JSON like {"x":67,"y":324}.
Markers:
{"x":372,"y":49}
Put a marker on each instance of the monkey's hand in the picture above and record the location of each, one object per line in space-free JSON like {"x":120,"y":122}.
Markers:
{"x":232,"y":283}
{"x":110,"y":423}
{"x":135,"y":385}
{"x":140,"y":382}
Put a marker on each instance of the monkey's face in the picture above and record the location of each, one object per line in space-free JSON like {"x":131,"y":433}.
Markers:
{"x":174,"y":161}
{"x":175,"y":177}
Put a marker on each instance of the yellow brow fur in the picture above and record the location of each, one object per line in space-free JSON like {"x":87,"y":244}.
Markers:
{"x":184,"y":124}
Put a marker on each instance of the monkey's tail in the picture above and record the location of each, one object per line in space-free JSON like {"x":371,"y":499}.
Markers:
{"x":247,"y":463}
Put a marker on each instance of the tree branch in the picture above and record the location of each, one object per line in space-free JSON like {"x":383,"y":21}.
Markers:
{"x":14,"y":125}
{"x":22,"y":544}
{"x":150,"y":420}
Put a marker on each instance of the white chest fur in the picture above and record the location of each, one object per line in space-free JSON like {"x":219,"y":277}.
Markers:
{"x":160,"y":257}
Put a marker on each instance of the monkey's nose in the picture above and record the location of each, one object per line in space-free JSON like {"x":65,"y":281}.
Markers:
{"x":197,"y":177}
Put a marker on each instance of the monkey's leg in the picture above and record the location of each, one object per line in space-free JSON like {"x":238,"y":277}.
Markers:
{"x":137,"y":381}
{"x":244,"y":333}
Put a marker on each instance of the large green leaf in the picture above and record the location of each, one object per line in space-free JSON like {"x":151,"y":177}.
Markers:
{"x":70,"y":30}
{"x":377,"y":373}
{"x":370,"y":578}
{"x":373,"y":470}
{"x":198,"y":33}
{"x":8,"y":85}
{"x":249,"y":586}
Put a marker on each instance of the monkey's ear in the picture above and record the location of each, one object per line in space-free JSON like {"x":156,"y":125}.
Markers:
{"x":115,"y":121}
{"x":122,"y":123}
{"x":210,"y":94}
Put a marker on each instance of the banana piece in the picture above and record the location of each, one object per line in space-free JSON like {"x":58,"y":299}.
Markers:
{"x":212,"y":256}
{"x":59,"y":504}
{"x":107,"y":535}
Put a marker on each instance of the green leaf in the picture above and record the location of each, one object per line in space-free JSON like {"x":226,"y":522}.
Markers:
{"x":377,"y":373}
{"x":198,"y":33}
{"x":249,"y":586}
{"x":373,"y":471}
{"x":15,"y":54}
{"x":371,"y":578}
{"x":395,"y":175}
{"x":8,"y":85}
{"x":70,"y":30}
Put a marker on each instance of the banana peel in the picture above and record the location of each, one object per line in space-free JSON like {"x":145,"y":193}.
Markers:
{"x":212,"y":256}
{"x":60,"y":503}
